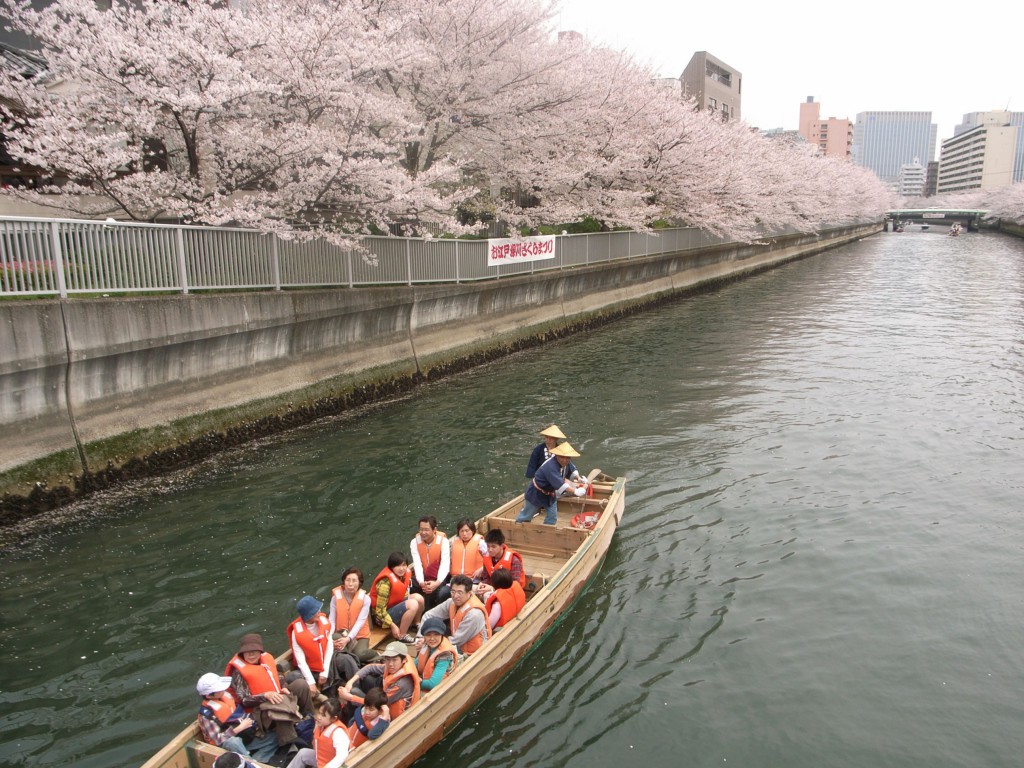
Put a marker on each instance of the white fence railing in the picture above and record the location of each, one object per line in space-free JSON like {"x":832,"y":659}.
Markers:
{"x":64,"y":257}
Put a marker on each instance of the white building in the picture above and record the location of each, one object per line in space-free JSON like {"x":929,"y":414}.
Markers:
{"x":974,"y":119}
{"x":912,"y":179}
{"x":981,"y":157}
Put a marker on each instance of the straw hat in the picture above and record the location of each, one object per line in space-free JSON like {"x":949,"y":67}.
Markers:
{"x":564,"y":450}
{"x":553,"y":431}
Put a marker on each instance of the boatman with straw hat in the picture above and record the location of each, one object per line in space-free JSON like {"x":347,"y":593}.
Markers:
{"x":555,"y":477}
{"x":551,"y":434}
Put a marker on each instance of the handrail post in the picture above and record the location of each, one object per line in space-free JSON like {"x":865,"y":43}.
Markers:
{"x":182,"y":270}
{"x":275,"y":260}
{"x":58,"y":259}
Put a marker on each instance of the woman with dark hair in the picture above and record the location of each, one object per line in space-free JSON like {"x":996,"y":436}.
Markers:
{"x":350,"y":616}
{"x":395,"y":607}
{"x":468,"y":549}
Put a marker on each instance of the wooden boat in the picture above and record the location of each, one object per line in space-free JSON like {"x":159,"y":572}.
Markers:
{"x":559,"y":561}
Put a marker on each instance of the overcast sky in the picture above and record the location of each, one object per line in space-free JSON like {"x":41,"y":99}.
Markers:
{"x":907,"y":55}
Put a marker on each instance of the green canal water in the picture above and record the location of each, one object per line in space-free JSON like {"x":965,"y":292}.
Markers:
{"x":820,"y":562}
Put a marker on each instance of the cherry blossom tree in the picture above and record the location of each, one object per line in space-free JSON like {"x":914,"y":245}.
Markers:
{"x":1006,"y":203}
{"x":341,"y":117}
{"x":267,"y":118}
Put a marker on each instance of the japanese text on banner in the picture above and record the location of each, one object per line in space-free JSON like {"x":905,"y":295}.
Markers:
{"x":507,"y":251}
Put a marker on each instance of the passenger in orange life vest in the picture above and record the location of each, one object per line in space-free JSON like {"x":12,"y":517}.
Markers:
{"x":397,"y":675}
{"x":330,"y":740}
{"x":507,"y":599}
{"x":499,"y":556}
{"x":465,"y":615}
{"x":437,"y":656}
{"x":394,"y":607}
{"x":468,"y":549}
{"x":350,"y":617}
{"x":431,"y":562}
{"x":310,"y":639}
{"x":256,"y":684}
{"x":371,"y":719}
{"x":223,"y":722}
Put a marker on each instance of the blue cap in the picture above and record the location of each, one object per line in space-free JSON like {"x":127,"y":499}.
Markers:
{"x":308,"y":607}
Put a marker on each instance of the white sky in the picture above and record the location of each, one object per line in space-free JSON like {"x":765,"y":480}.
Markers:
{"x":948,"y":58}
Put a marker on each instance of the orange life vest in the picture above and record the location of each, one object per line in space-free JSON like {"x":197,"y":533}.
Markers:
{"x":399,"y":587}
{"x":222,"y":708}
{"x":357,"y":737}
{"x":511,"y":601}
{"x":390,"y":686}
{"x":345,"y":619}
{"x":425,"y":660}
{"x":323,"y":742}
{"x":466,"y":558}
{"x":261,"y":677}
{"x":314,"y":648}
{"x":430,"y":555}
{"x":456,"y":615}
{"x":505,"y":561}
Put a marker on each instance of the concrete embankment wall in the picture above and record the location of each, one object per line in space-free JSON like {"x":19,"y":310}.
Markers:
{"x":1010,"y":228}
{"x":94,"y":391}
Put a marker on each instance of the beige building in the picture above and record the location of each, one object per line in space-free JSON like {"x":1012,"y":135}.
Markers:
{"x":714,"y":85}
{"x":832,"y":137}
{"x":981,"y":157}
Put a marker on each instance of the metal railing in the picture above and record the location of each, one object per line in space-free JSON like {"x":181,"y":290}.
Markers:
{"x":64,"y":257}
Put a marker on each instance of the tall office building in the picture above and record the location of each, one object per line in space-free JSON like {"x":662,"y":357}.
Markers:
{"x":713,"y":84}
{"x":980,"y":157}
{"x":974,"y":119}
{"x":833,"y":137}
{"x":884,"y":141}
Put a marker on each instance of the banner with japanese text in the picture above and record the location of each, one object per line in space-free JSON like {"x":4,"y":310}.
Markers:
{"x":508,"y":251}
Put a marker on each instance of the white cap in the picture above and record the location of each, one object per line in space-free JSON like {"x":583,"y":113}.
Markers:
{"x":212,"y":683}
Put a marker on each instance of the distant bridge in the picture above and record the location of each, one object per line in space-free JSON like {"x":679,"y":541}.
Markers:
{"x":938,"y":216}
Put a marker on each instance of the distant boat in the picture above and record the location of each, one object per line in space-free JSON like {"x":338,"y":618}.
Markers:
{"x":925,"y":226}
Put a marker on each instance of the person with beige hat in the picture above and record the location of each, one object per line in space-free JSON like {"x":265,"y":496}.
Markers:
{"x":555,"y":477}
{"x":551,"y":434}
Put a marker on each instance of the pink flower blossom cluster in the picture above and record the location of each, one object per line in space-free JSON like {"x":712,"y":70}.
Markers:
{"x":339,"y":118}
